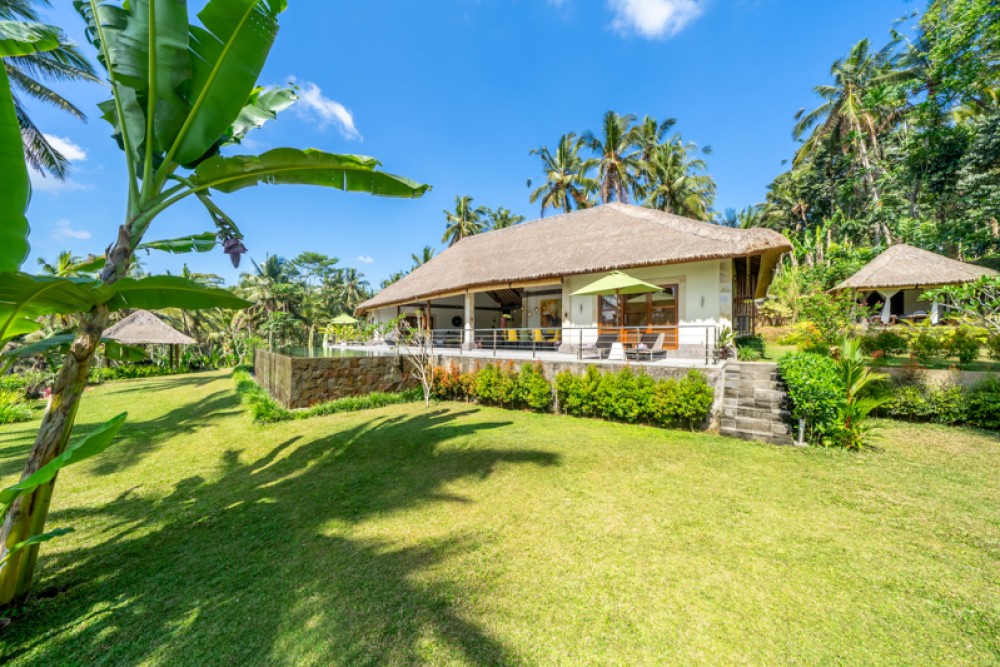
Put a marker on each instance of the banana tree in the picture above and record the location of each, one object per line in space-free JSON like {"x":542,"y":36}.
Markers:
{"x":180,"y":94}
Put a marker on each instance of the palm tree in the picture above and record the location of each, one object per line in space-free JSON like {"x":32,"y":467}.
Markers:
{"x":501,"y":218}
{"x":463,"y":221}
{"x":391,"y":278}
{"x":618,"y":162}
{"x":567,"y":183}
{"x":64,"y":63}
{"x":425,"y":256}
{"x":787,"y":200}
{"x":64,"y":265}
{"x":353,"y":288}
{"x":676,"y":186}
{"x":845,"y":113}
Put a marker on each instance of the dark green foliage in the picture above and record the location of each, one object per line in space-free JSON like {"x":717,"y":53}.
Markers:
{"x":922,"y":403}
{"x":505,"y":386}
{"x":750,"y":348}
{"x":926,"y":346}
{"x":963,"y":345}
{"x":993,"y":347}
{"x":885,"y":341}
{"x":265,"y":410}
{"x":816,"y":391}
{"x":984,"y":404}
{"x":625,"y":396}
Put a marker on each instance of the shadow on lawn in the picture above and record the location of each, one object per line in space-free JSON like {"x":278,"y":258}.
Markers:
{"x":255,"y":567}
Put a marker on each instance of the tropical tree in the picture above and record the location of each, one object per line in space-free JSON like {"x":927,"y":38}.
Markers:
{"x":179,"y":93}
{"x":501,"y":218}
{"x":353,"y":288}
{"x":567,"y":183}
{"x":425,"y":256}
{"x":618,"y":162}
{"x":676,"y":183}
{"x":392,"y":278}
{"x":845,"y":113}
{"x":464,"y":221}
{"x":64,"y":62}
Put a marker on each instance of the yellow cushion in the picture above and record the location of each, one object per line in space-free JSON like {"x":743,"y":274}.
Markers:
{"x":537,"y":333}
{"x":512,"y":335}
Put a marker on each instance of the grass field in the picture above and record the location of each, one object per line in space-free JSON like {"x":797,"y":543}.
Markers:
{"x":460,"y":535}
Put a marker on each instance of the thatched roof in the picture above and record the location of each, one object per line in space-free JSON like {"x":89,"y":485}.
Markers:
{"x":603,"y":238}
{"x":903,"y":266}
{"x":143,"y":327}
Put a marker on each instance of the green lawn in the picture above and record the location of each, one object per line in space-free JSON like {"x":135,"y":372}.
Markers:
{"x":462,"y":535}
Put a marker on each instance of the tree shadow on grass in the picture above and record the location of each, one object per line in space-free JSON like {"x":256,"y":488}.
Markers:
{"x":260,"y":565}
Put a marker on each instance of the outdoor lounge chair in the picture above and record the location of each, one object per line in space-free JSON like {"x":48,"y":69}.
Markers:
{"x":539,"y":340}
{"x":650,"y":348}
{"x":601,"y":348}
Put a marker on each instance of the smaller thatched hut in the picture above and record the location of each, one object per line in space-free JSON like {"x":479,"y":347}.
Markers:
{"x":898,"y":277}
{"x":144,"y":328}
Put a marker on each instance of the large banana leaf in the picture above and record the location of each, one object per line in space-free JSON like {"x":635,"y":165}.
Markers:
{"x":90,"y":445}
{"x":26,"y":295}
{"x":228,"y":55}
{"x":353,"y":173}
{"x":19,"y":325}
{"x":159,"y":292}
{"x":151,"y":56}
{"x":14,"y":187}
{"x":264,"y":105}
{"x":16,"y":39}
{"x":22,"y":38}
{"x":61,"y":342}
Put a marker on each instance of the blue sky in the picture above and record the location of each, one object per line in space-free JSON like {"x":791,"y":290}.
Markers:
{"x":456,"y":92}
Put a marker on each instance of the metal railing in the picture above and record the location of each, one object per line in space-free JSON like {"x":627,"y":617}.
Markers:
{"x":642,"y":343}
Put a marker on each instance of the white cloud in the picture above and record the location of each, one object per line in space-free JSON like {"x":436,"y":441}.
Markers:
{"x":312,"y":102}
{"x":654,"y":19}
{"x":64,"y":230}
{"x":69,"y":150}
{"x":365,"y":259}
{"x":50,"y":184}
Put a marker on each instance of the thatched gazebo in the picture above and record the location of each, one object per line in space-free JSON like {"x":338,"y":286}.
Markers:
{"x":144,"y":328}
{"x":902,"y":273}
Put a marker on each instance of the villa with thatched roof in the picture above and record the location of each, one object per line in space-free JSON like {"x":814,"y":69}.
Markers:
{"x":524,"y":278}
{"x":898,"y":277}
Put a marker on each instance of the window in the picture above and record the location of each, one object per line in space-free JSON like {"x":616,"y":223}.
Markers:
{"x":658,"y":309}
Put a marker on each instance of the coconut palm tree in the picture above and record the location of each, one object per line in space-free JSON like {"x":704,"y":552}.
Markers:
{"x":787,"y":201}
{"x":391,"y":278}
{"x":501,"y":218}
{"x":567,"y":180}
{"x":425,"y":256}
{"x":845,"y":113}
{"x":353,"y":288}
{"x":463,"y":221}
{"x":64,"y":63}
{"x":64,"y":265}
{"x":676,"y":184}
{"x":618,"y":160}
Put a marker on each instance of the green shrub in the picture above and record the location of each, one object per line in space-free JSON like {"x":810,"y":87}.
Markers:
{"x":533,"y":390}
{"x":626,"y":396}
{"x":983,"y":404}
{"x":816,"y":392}
{"x":926,"y":346}
{"x":964,"y":345}
{"x":13,"y":407}
{"x":886,"y":341}
{"x":694,"y":399}
{"x":750,"y":348}
{"x":993,"y":347}
{"x":945,"y":404}
{"x":134,"y":371}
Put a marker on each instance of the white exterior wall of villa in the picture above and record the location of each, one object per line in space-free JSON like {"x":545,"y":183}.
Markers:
{"x":705,"y":291}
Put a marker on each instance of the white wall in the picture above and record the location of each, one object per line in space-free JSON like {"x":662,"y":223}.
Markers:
{"x":699,"y":306}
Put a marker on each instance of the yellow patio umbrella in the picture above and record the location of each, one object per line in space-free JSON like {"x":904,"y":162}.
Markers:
{"x":617,"y":283}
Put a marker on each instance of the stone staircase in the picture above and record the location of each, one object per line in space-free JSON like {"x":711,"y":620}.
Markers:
{"x":754,"y":403}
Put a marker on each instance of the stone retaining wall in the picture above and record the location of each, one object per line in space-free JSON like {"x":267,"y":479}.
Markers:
{"x":299,"y":382}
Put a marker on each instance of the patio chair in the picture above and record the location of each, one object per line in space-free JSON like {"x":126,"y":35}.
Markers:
{"x":539,"y":339}
{"x":601,"y":348}
{"x":649,"y":348}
